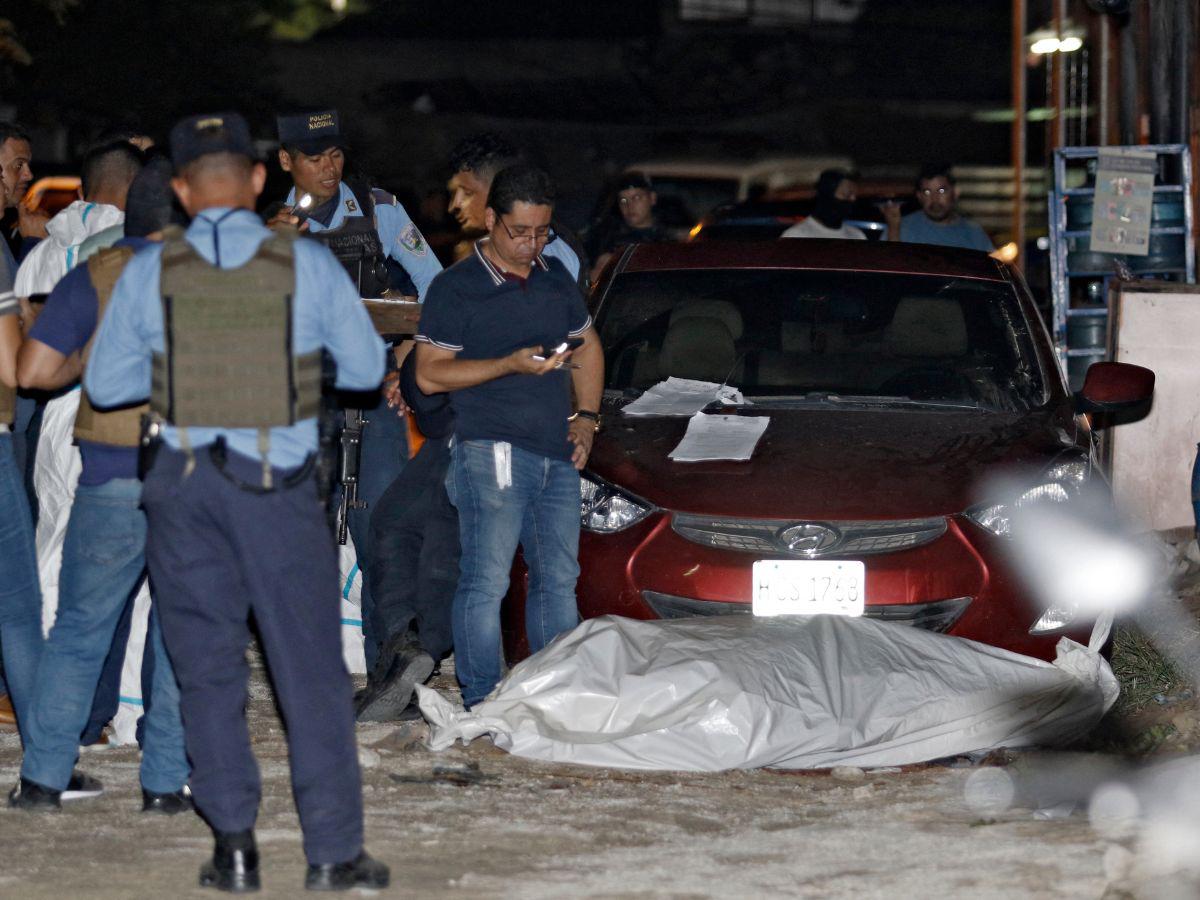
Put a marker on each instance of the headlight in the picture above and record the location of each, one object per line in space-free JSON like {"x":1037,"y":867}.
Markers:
{"x":605,"y":508}
{"x":1059,"y":483}
{"x":1056,"y":618}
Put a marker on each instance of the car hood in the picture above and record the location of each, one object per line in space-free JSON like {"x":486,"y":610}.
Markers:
{"x":836,"y":464}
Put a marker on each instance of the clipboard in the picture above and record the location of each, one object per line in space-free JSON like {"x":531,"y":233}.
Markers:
{"x":393,"y":317}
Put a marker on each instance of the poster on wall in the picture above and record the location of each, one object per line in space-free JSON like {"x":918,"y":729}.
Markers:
{"x":1124,"y":201}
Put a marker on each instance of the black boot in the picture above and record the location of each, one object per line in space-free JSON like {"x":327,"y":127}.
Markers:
{"x":383,"y":703}
{"x":234,"y":866}
{"x":362,"y":871}
{"x":31,"y":795}
{"x":167,"y":804}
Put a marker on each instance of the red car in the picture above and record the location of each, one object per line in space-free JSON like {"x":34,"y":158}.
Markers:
{"x":898,"y":378}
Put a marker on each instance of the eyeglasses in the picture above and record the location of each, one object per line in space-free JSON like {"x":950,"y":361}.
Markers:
{"x":930,"y":192}
{"x":541,"y":236}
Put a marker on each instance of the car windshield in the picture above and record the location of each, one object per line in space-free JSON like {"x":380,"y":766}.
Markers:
{"x":790,"y":336}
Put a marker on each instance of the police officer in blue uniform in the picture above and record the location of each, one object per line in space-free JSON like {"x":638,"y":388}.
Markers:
{"x":223,"y":328}
{"x":364,"y":227}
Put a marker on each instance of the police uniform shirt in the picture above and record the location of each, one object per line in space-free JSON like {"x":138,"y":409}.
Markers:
{"x":401,"y":238}
{"x":326,"y":311}
{"x":562,"y":251}
{"x":66,"y":325}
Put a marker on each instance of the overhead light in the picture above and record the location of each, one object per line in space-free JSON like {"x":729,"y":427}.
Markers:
{"x":1047,"y":40}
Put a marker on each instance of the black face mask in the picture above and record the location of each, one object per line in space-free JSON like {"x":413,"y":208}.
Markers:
{"x":832,"y":212}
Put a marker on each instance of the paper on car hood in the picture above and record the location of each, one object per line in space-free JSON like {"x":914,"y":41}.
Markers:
{"x":682,"y":397}
{"x":728,"y":692}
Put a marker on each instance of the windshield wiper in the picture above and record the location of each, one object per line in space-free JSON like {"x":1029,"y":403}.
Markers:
{"x":830,"y":397}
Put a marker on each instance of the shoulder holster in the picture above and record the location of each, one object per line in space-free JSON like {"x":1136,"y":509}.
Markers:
{"x":228,"y":359}
{"x":121,"y":427}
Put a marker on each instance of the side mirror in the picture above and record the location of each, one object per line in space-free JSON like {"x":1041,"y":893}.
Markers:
{"x":1111,"y":387}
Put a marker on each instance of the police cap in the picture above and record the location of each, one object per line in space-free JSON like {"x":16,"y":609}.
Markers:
{"x":198,"y":136}
{"x":311,"y":133}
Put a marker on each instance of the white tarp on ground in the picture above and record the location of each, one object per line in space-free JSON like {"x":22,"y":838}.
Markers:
{"x":708,"y":694}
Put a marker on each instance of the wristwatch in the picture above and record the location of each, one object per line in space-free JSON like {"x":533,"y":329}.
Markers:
{"x":587,"y":414}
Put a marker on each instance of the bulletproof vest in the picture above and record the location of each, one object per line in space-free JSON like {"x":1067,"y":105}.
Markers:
{"x":122,"y":427}
{"x":357,"y":247}
{"x":228,"y":359}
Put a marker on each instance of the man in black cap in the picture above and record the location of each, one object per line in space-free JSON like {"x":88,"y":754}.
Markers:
{"x":364,"y":227}
{"x":231,"y":319}
{"x":105,"y":549}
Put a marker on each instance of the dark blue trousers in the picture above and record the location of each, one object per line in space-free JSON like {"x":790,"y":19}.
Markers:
{"x":219,"y":554}
{"x":413,"y":559}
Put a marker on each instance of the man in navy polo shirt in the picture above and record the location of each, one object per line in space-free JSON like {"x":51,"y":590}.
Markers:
{"x":488,"y":329}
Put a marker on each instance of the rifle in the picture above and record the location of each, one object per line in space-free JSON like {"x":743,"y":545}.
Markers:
{"x":349,"y":458}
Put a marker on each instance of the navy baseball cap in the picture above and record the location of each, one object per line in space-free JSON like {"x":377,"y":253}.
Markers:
{"x":311,"y":133}
{"x":198,"y":136}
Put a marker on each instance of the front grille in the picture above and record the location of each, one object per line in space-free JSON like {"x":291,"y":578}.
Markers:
{"x":936,"y":615}
{"x":808,"y":540}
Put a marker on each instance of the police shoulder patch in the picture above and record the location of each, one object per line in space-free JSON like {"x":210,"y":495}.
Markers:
{"x":412,"y":240}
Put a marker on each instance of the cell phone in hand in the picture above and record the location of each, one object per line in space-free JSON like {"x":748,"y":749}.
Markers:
{"x":553,"y":350}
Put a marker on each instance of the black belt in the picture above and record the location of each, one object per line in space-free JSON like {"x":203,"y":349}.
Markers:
{"x":218,"y":452}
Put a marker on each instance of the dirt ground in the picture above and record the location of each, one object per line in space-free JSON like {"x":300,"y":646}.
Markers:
{"x":476,"y":822}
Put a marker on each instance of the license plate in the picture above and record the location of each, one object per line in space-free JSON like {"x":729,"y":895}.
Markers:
{"x":801,"y":587}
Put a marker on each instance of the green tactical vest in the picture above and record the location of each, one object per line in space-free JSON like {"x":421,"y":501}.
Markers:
{"x":122,"y":427}
{"x":228,"y":360}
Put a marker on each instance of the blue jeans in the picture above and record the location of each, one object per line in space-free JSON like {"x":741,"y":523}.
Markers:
{"x":20,"y":589}
{"x":104,"y":559}
{"x":540,"y":510}
{"x":384,"y":453}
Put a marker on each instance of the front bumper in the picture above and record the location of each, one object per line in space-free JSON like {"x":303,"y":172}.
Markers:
{"x":957,"y":583}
